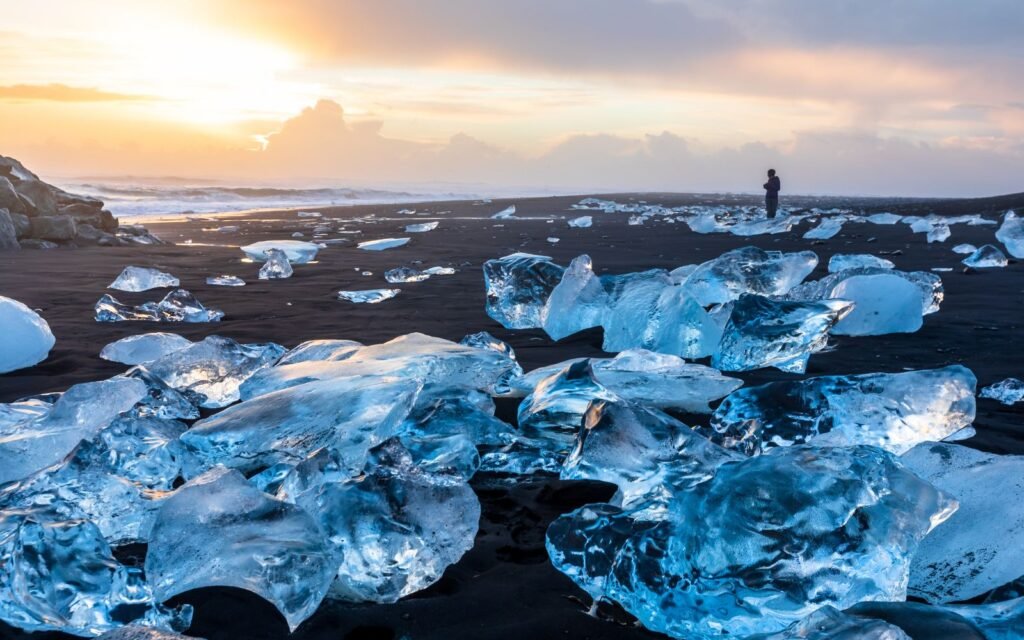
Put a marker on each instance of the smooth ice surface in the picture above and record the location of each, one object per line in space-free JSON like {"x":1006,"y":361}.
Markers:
{"x":143,"y":279}
{"x":986,"y":257}
{"x":884,"y":218}
{"x":843,"y":261}
{"x":829,"y":623}
{"x":297,"y":251}
{"x":894,"y":411}
{"x":177,"y":306}
{"x":368,"y":296}
{"x":965,"y":249}
{"x":320,"y":350}
{"x":26,"y":338}
{"x":929,"y":285}
{"x":276,"y":266}
{"x":382,"y":244}
{"x":1008,"y":391}
{"x":1011,"y":234}
{"x":582,"y":222}
{"x":578,"y":302}
{"x":939,"y":233}
{"x":826,"y":229}
{"x":775,"y":333}
{"x":219,"y":530}
{"x":144,"y":347}
{"x":978,"y":548}
{"x":505,"y":214}
{"x":518,"y":287}
{"x":422,"y":227}
{"x":439,"y":271}
{"x":402,"y":275}
{"x":748,"y":270}
{"x":883,"y":304}
{"x":226,"y":281}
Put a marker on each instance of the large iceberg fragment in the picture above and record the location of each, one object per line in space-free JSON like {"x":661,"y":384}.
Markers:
{"x":143,"y":279}
{"x":177,"y":306}
{"x":986,"y":257}
{"x":748,"y":270}
{"x":144,"y":347}
{"x":382,"y":244}
{"x":518,"y":287}
{"x":368,"y":296}
{"x":894,"y":411}
{"x":978,"y":548}
{"x":883,"y":304}
{"x":1009,"y":391}
{"x":776,"y":333}
{"x":829,"y":623}
{"x":297,"y":251}
{"x":26,"y":338}
{"x":843,"y":261}
{"x":219,"y":530}
{"x":1011,"y":234}
{"x":929,"y":285}
{"x":578,"y":302}
{"x":276,"y":266}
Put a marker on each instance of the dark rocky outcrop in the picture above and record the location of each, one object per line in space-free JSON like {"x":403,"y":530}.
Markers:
{"x":8,"y":233}
{"x":56,"y":228}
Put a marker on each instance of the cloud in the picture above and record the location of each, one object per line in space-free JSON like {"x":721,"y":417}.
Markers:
{"x":63,"y":93}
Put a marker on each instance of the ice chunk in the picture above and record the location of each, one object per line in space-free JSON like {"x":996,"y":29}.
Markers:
{"x":578,"y":302}
{"x":518,"y":287}
{"x":439,"y":271}
{"x":219,"y":530}
{"x":884,"y":218}
{"x":829,"y":623}
{"x":161,"y":401}
{"x":843,"y":261}
{"x":965,"y":249}
{"x":405,"y":274}
{"x":276,"y":266}
{"x":553,"y":240}
{"x":144,"y":347}
{"x":938,"y":233}
{"x":309,"y":214}
{"x":368,"y":296}
{"x":1011,"y":234}
{"x":883,"y":304}
{"x":297,"y":251}
{"x":929,"y":284}
{"x":35,"y":440}
{"x":177,"y":306}
{"x":748,"y":270}
{"x":320,"y":350}
{"x":1009,"y":391}
{"x":421,"y":227}
{"x":26,"y":338}
{"x":225,"y":281}
{"x":136,"y":632}
{"x":776,"y":333}
{"x":382,"y":244}
{"x":214,"y":368}
{"x":582,"y":222}
{"x":395,"y":529}
{"x":894,"y":411}
{"x":986,"y":257}
{"x":507,"y":213}
{"x":143,"y":279}
{"x":826,"y":229}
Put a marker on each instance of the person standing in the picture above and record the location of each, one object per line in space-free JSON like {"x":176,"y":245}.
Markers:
{"x":771,"y":193}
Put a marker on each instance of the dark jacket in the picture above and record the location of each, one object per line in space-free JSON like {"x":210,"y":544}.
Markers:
{"x":772,"y":187}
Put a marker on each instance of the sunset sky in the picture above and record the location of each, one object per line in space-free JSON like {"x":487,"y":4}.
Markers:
{"x":911,"y":97}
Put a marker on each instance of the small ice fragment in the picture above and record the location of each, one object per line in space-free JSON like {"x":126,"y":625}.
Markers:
{"x":421,"y":227}
{"x":1011,"y":234}
{"x":439,"y":271}
{"x":298,"y":252}
{"x":228,"y":229}
{"x":26,"y":338}
{"x":582,"y":222}
{"x":225,"y":281}
{"x":382,"y":244}
{"x":405,"y":274}
{"x":407,"y":212}
{"x":144,"y":347}
{"x":965,"y":249}
{"x":884,"y":218}
{"x":518,"y":287}
{"x":938,"y":233}
{"x":1009,"y":391}
{"x":143,"y":279}
{"x":276,"y":267}
{"x":553,"y":240}
{"x":986,"y":257}
{"x":368,"y":296}
{"x":828,"y":228}
{"x":842,"y":261}
{"x":298,"y":234}
{"x":505,"y":214}
{"x":177,"y":306}
{"x":309,"y":214}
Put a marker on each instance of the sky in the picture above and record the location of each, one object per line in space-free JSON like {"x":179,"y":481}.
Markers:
{"x":874,"y":97}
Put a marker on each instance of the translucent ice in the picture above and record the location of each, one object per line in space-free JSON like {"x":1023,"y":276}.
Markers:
{"x":826,"y":229}
{"x":161,"y":401}
{"x":843,"y":261}
{"x":829,"y":623}
{"x":581,"y":222}
{"x":965,"y":249}
{"x":368,"y":296}
{"x":320,"y":350}
{"x":884,"y":218}
{"x":1009,"y":391}
{"x":986,"y":257}
{"x":929,"y":284}
{"x":26,"y":338}
{"x":297,"y":251}
{"x":177,"y":306}
{"x":883,"y":304}
{"x":1011,"y":234}
{"x":136,"y":632}
{"x":977,"y":549}
{"x":405,"y":274}
{"x":382,"y":244}
{"x":143,"y":279}
{"x":578,"y":302}
{"x":276,"y":266}
{"x":518,"y":287}
{"x":938,"y":233}
{"x":894,"y":411}
{"x":225,"y":281}
{"x":219,"y":530}
{"x":144,"y":347}
{"x":439,"y":271}
{"x":775,"y":333}
{"x":505,"y":214}
{"x":421,"y":227}
{"x":748,"y":270}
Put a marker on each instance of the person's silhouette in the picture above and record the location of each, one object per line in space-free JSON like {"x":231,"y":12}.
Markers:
{"x":771,"y":193}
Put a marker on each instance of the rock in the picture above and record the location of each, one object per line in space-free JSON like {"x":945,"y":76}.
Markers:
{"x":82,"y":209}
{"x":53,"y":228}
{"x":8,"y":232}
{"x":44,"y":203}
{"x":22,"y":225}
{"x":88,"y":234}
{"x":9,"y":198}
{"x":32,"y":243}
{"x":108,"y":222}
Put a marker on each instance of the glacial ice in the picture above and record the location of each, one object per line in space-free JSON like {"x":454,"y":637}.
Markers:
{"x":136,"y":632}
{"x":829,"y":623}
{"x":26,"y":338}
{"x":986,"y":257}
{"x":368,"y":296}
{"x":581,"y":222}
{"x":422,"y":227}
{"x":1011,"y":234}
{"x":965,"y":249}
{"x":578,"y":302}
{"x":518,"y":287}
{"x":320,"y":350}
{"x":439,"y":271}
{"x":382,"y":244}
{"x":144,"y":347}
{"x":938,"y":233}
{"x":748,"y":270}
{"x":225,"y":281}
{"x":219,"y":530}
{"x":297,"y":251}
{"x":160,"y":400}
{"x":884,"y":218}
{"x":826,"y":229}
{"x":177,"y":306}
{"x":883,"y":304}
{"x":978,"y":548}
{"x":894,"y":411}
{"x":1009,"y":391}
{"x":762,"y":332}
{"x":929,"y":284}
{"x":507,"y":213}
{"x":401,"y":275}
{"x":143,"y":279}
{"x":276,"y":266}
{"x":843,"y":261}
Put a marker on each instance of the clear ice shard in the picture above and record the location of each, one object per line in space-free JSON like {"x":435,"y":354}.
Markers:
{"x":581,"y":222}
{"x":143,"y":279}
{"x":60,"y":574}
{"x":214,"y":368}
{"x":829,"y":623}
{"x":395,"y":529}
{"x":986,"y":257}
{"x":276,"y":266}
{"x":402,"y":275}
{"x":320,"y":350}
{"x":439,"y":271}
{"x":219,"y":530}
{"x":26,"y":338}
{"x":161,"y":401}
{"x":978,"y":548}
{"x":883,"y":304}
{"x":965,"y":249}
{"x":1008,"y":391}
{"x":382,"y":244}
{"x":929,"y":285}
{"x":578,"y":302}
{"x":225,"y":281}
{"x":762,"y":333}
{"x":505,"y":214}
{"x":368,"y":296}
{"x":826,"y":229}
{"x":347,"y":415}
{"x":177,"y":306}
{"x":518,"y":287}
{"x":144,"y":347}
{"x":1011,"y":234}
{"x":422,"y":227}
{"x":710,"y":563}
{"x":36,"y":439}
{"x":894,"y":411}
{"x":843,"y":261}
{"x":748,"y":270}
{"x":297,"y":251}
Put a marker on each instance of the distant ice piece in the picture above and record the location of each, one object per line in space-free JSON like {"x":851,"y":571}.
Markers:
{"x":309,"y":214}
{"x":518,"y":287}
{"x":884,"y":218}
{"x":986,"y":257}
{"x":1009,"y":391}
{"x":219,"y":530}
{"x":297,"y":251}
{"x":829,"y":623}
{"x":422,"y":227}
{"x":401,"y":275}
{"x":748,"y":270}
{"x":894,"y":411}
{"x":843,"y":261}
{"x":582,"y":222}
{"x":382,"y":244}
{"x":776,"y":333}
{"x":505,"y":214}
{"x":143,"y":279}
{"x":826,"y":229}
{"x":965,"y":249}
{"x":226,"y":281}
{"x":277,"y":266}
{"x":144,"y":347}
{"x":553,"y":240}
{"x":978,"y":548}
{"x":439,"y":271}
{"x":26,"y":338}
{"x":939,"y":233}
{"x":368,"y":296}
{"x":1011,"y":234}
{"x":177,"y":306}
